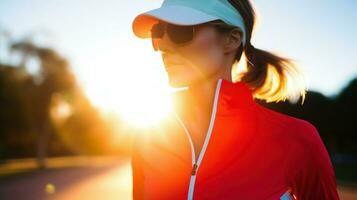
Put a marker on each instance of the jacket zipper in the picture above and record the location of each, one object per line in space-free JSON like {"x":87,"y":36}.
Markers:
{"x":194,"y":169}
{"x":196,"y":164}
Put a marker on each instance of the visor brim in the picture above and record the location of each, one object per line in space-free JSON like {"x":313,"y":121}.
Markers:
{"x":178,"y":15}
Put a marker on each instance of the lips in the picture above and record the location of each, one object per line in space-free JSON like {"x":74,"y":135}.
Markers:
{"x":170,"y":63}
{"x":171,"y":68}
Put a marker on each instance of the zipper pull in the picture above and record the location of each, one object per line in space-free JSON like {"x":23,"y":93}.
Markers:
{"x":194,"y":169}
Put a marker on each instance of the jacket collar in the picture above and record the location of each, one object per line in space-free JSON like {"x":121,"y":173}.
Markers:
{"x":229,"y":96}
{"x":232,"y":96}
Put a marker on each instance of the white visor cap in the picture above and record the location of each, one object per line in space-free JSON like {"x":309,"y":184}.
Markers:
{"x":188,"y":12}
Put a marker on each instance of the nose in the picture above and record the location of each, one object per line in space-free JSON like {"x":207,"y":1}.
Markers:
{"x":163,"y":44}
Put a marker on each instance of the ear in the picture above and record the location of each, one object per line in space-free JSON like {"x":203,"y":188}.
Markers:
{"x":233,"y":40}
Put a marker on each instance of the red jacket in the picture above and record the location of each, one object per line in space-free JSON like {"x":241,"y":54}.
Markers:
{"x":250,"y":153}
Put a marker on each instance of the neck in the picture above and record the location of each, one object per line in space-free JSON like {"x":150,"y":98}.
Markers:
{"x":196,"y":102}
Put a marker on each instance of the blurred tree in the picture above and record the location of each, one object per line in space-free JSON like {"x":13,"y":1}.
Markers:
{"x":14,"y":112}
{"x":345,"y":117}
{"x":53,"y":77}
{"x":46,"y":107}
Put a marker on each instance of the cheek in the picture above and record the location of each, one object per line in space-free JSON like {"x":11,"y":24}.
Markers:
{"x":205,"y":52}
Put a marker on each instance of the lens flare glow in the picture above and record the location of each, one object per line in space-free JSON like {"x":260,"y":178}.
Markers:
{"x":131,"y":82}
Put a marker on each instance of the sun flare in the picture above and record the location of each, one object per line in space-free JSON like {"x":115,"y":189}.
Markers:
{"x":134,"y":87}
{"x":145,"y":108}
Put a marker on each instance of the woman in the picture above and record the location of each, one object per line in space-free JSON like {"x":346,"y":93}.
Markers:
{"x":219,"y":143}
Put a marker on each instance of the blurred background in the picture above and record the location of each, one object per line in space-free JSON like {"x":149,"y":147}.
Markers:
{"x":76,"y":84}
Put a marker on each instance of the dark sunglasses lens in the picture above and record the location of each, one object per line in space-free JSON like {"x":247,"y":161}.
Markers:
{"x":180,"y":34}
{"x":157,"y":31}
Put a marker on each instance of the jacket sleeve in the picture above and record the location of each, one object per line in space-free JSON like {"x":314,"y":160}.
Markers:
{"x":137,"y":171}
{"x":315,"y":177}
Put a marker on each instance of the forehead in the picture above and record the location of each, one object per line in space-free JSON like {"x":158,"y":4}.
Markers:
{"x":165,"y":23}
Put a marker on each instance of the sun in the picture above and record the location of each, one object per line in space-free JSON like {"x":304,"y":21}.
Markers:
{"x":130,"y":82}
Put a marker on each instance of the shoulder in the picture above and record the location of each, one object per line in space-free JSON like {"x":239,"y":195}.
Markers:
{"x":308,"y":166}
{"x":298,"y":138}
{"x":296,"y":130}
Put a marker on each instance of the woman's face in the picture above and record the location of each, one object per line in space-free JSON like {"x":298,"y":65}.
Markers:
{"x":199,"y":60}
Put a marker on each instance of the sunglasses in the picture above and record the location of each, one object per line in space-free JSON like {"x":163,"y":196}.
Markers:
{"x":180,"y":35}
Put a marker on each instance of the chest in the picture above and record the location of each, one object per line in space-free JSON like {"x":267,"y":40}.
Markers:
{"x":229,"y":169}
{"x":197,"y":134}
{"x":236,"y":162}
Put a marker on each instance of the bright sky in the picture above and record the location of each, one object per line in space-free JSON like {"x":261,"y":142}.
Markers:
{"x":97,"y":39}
